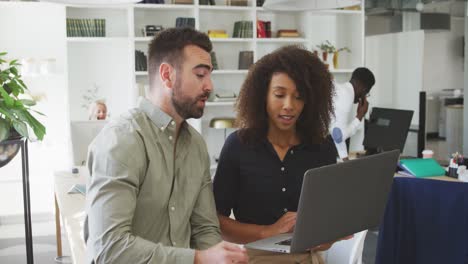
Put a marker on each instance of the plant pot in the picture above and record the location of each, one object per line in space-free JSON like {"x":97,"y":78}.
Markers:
{"x":9,"y":148}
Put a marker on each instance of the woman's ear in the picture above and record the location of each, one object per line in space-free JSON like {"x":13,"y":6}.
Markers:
{"x":166,"y":73}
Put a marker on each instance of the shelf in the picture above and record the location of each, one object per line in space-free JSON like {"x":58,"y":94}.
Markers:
{"x":342,"y":71}
{"x":226,"y":8}
{"x":220,"y":72}
{"x":143,"y":39}
{"x":231,"y":39}
{"x":281,"y":40}
{"x":95,"y":39}
{"x":164,"y":6}
{"x":229,"y":72}
{"x":100,"y":6}
{"x":230,"y":103}
{"x":315,"y":12}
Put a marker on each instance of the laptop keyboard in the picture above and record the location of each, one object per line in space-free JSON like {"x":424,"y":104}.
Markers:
{"x":286,"y":242}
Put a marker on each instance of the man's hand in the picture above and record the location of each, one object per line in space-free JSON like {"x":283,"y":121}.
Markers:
{"x":221,"y":253}
{"x":363,"y":106}
{"x":327,"y":246}
{"x":284,"y":225}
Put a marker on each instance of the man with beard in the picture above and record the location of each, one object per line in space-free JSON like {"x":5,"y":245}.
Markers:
{"x":149,"y":197}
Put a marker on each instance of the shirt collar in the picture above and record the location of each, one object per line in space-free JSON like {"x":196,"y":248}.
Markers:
{"x":159,"y":117}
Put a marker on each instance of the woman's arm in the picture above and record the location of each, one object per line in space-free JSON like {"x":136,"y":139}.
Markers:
{"x":242,"y":233}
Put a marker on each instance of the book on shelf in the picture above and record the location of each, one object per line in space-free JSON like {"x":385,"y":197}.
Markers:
{"x":288,"y":33}
{"x":236,"y":2}
{"x":185,"y":22}
{"x":214,"y":61}
{"x":245,"y":59}
{"x":182,"y":2}
{"x":152,"y":2}
{"x":263,"y":29}
{"x":243,"y":29}
{"x":140,"y":61}
{"x":224,"y":97}
{"x":217,"y":33}
{"x":260,"y":3}
{"x":86,"y":27}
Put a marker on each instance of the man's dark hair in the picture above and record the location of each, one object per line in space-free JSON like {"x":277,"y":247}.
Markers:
{"x":365,"y":76}
{"x":168,"y":46}
{"x":313,"y":82}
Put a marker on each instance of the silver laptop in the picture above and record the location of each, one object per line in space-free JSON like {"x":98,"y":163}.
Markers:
{"x":336,"y":201}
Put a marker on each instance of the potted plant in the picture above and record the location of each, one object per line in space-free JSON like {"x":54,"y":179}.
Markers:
{"x":15,"y":110}
{"x":328,"y":48}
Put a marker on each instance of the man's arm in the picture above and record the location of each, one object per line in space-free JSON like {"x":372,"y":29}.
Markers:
{"x":204,"y":222}
{"x":117,"y":163}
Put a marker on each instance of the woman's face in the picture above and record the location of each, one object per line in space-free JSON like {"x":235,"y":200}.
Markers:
{"x":101,"y":112}
{"x":284,"y":105}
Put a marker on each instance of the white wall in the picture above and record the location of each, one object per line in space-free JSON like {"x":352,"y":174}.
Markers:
{"x":37,"y":30}
{"x":443,"y":61}
{"x":397,"y":63}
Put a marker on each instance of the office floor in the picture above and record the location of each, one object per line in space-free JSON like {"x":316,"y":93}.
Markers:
{"x":12,"y":246}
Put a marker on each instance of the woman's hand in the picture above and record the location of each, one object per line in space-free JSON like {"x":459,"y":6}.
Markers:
{"x":284,"y":225}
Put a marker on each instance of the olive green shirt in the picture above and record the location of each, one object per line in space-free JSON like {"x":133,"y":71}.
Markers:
{"x":143,"y":204}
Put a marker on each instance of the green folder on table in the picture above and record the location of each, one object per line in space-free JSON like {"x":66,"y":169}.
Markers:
{"x":422,"y":167}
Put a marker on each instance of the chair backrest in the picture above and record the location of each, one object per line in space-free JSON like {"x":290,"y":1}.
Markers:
{"x":347,"y":251}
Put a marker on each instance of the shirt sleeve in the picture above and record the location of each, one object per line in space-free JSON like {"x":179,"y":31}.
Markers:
{"x":111,"y":200}
{"x":204,"y":221}
{"x":226,"y":181}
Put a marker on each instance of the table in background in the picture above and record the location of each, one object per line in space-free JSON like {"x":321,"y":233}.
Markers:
{"x":425,"y":221}
{"x":71,"y":207}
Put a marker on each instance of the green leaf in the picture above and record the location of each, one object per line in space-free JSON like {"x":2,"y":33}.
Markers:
{"x":13,"y":62}
{"x":14,"y":71}
{"x":37,"y":112}
{"x":37,"y":127}
{"x":15,"y":87}
{"x":4,"y":129}
{"x":21,"y":128}
{"x":22,"y":84}
{"x":6,"y":111}
{"x":18,"y":104}
{"x":28,"y":102}
{"x":3,"y":53}
{"x":8,"y":100}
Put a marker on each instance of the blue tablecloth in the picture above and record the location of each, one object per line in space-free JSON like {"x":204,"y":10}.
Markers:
{"x":426,"y":221}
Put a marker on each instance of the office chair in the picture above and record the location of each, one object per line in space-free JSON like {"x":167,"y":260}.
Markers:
{"x":347,"y":251}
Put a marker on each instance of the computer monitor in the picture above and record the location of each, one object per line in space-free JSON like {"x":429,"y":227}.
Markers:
{"x":387,"y":129}
{"x":82,"y":134}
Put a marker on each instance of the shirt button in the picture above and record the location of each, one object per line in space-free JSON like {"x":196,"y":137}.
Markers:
{"x":174,"y":243}
{"x":292,"y":151}
{"x":172,"y":208}
{"x":282,"y":168}
{"x":285,"y":210}
{"x":162,"y":128}
{"x":172,"y":123}
{"x":170,"y":137}
{"x":284,"y":189}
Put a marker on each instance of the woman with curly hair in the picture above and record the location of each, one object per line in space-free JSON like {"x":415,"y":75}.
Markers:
{"x":283,"y":111}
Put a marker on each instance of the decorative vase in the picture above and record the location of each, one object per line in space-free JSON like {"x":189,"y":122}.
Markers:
{"x":335,"y":60}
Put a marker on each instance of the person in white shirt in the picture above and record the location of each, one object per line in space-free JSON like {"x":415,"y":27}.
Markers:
{"x":345,"y":124}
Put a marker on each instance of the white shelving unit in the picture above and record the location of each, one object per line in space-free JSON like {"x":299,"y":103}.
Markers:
{"x":120,"y":84}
